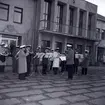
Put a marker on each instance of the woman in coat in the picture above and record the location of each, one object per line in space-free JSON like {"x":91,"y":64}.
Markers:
{"x":56,"y":61}
{"x":85,"y":63}
{"x":21,"y":56}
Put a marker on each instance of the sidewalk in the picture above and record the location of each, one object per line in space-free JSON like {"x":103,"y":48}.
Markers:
{"x":54,"y":90}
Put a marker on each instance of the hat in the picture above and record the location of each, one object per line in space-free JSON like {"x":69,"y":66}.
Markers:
{"x":6,"y":45}
{"x":57,"y":48}
{"x":48,"y":48}
{"x":2,"y":44}
{"x":23,"y":46}
{"x":86,"y":51}
{"x":28,"y":46}
{"x":38,"y":47}
{"x":69,"y":45}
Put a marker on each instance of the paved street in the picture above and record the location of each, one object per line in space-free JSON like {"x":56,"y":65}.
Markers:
{"x":53,"y":90}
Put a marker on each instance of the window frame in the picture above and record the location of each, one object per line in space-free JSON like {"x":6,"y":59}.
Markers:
{"x":59,"y":22}
{"x":103,"y":34}
{"x":5,"y":9}
{"x":47,"y":14}
{"x":15,"y":11}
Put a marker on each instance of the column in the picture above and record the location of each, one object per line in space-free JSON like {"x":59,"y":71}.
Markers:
{"x":53,"y":43}
{"x":55,"y":12}
{"x":65,"y":43}
{"x":66,"y":18}
{"x":77,"y":21}
{"x":39,"y":39}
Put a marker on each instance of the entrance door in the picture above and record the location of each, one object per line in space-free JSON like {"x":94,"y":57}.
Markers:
{"x":59,"y":45}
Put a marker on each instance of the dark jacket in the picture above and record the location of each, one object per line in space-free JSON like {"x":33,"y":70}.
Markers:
{"x":85,"y":62}
{"x":70,"y":57}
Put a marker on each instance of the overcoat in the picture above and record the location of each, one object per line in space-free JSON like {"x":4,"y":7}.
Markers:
{"x":56,"y":60}
{"x":22,"y":63}
{"x":85,"y":62}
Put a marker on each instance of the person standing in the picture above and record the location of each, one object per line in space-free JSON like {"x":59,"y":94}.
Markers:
{"x":45,"y":62}
{"x":13,"y":53}
{"x":70,"y":62}
{"x":56,"y":61}
{"x":21,"y":56}
{"x":76,"y":63}
{"x":37,"y":59}
{"x":85,"y":63}
{"x":63,"y":63}
{"x":29,"y":59}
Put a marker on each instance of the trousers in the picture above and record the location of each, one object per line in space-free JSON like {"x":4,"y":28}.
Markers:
{"x":70,"y":69}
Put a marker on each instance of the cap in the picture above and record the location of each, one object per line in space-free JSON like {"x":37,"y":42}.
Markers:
{"x":2,"y":44}
{"x":86,"y":51}
{"x":23,"y":46}
{"x":28,"y":45}
{"x":6,"y":45}
{"x":57,"y":48}
{"x":69,"y":45}
{"x":48,"y":48}
{"x":38,"y":47}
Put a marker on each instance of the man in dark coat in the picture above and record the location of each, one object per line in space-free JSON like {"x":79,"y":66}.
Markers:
{"x":70,"y":61}
{"x":29,"y":59}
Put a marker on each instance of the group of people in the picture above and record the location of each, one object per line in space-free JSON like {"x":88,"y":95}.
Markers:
{"x":49,"y":60}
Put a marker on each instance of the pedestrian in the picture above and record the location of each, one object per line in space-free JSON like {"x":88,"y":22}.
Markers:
{"x":21,"y":56}
{"x":63,"y":63}
{"x":37,"y":58}
{"x":85,"y":63}
{"x":29,"y":59}
{"x":45,"y":61}
{"x":70,"y":62}
{"x":56,"y":61}
{"x":51,"y":59}
{"x":13,"y":53}
{"x":76,"y":63}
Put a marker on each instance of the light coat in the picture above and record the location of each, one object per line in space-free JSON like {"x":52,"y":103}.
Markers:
{"x":22,"y":63}
{"x":56,"y":60}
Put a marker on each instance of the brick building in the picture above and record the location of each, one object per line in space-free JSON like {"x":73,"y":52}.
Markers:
{"x":50,"y":23}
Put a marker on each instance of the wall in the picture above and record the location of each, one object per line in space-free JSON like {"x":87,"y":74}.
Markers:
{"x":28,"y":13}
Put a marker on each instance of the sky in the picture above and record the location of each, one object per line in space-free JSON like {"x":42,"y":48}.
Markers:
{"x":101,"y":6}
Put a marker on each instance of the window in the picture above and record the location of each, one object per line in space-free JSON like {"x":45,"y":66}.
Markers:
{"x":103,"y":35}
{"x":71,"y":20}
{"x":4,"y":12}
{"x":18,"y":15}
{"x":89,"y":21}
{"x":59,"y":17}
{"x":47,"y":14}
{"x":81,"y":23}
{"x":45,"y":43}
{"x":79,"y":48}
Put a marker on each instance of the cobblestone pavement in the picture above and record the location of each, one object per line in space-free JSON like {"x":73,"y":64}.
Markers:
{"x":53,"y":90}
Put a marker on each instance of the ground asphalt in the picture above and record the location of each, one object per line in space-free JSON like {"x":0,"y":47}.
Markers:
{"x":54,"y":90}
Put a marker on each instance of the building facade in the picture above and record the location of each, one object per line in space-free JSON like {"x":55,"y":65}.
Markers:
{"x":101,"y":33}
{"x":68,"y":21}
{"x":50,"y":23}
{"x":16,"y":21}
